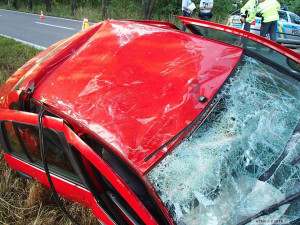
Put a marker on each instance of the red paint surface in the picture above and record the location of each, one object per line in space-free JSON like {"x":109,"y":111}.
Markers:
{"x":136,"y":86}
{"x":68,"y":189}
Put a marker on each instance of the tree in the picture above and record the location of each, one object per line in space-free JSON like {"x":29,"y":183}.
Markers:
{"x":221,"y":10}
{"x":15,"y":4}
{"x":48,"y":6}
{"x":30,"y":5}
{"x":294,"y":6}
{"x":103,"y":8}
{"x":148,"y":9}
{"x":73,"y":7}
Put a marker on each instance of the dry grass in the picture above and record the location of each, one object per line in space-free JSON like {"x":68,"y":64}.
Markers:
{"x":28,"y":202}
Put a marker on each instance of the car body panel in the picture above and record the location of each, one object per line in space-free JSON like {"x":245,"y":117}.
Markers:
{"x":169,"y":73}
{"x":68,"y":189}
{"x":75,"y":192}
{"x":133,"y":86}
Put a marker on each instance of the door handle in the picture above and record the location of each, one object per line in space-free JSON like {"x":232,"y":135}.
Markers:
{"x":25,"y":175}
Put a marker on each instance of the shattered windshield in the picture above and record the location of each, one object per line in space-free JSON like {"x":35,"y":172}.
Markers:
{"x":244,"y":157}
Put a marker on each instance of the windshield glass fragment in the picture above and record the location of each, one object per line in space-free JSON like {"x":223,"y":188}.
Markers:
{"x":242,"y":159}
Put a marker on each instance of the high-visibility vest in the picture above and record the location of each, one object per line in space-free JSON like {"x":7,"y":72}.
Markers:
{"x":268,"y":9}
{"x":250,"y":7}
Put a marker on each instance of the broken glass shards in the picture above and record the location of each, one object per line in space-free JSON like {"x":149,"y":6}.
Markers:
{"x":241,"y":160}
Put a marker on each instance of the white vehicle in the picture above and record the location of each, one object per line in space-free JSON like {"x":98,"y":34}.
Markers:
{"x":288,"y":26}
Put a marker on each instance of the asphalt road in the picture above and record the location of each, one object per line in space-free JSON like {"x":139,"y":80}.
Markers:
{"x":30,"y":29}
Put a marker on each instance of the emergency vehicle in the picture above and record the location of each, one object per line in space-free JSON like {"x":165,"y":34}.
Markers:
{"x":288,"y":26}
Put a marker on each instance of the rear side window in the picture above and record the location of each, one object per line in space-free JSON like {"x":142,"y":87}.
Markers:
{"x":294,"y":18}
{"x":283,"y":16}
{"x":22,"y":141}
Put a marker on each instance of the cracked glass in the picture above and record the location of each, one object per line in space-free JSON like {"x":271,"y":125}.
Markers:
{"x":243,"y":158}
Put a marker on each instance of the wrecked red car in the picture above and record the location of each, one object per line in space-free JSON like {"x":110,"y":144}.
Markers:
{"x":146,"y":124}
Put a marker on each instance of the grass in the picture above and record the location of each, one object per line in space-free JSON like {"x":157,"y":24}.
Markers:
{"x":93,"y":13}
{"x":23,"y":201}
{"x":12,"y":56}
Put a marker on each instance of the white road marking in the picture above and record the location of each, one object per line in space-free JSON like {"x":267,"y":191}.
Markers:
{"x":25,"y":42}
{"x":51,"y":25}
{"x":39,"y":15}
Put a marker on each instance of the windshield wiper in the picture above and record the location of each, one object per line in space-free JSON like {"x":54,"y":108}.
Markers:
{"x":289,"y":145}
{"x":272,"y":208}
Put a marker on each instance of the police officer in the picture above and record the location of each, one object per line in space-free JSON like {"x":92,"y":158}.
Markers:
{"x":186,"y":11}
{"x":248,"y":13}
{"x":205,"y":9}
{"x":269,"y":11}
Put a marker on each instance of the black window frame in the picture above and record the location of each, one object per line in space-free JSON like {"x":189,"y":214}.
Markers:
{"x":105,"y":201}
{"x":91,"y":142}
{"x":292,"y":71}
{"x":29,"y":160}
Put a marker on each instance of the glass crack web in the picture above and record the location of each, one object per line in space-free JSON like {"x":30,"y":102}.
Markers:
{"x":213,"y":177}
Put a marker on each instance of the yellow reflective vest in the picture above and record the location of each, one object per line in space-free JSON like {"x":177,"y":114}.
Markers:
{"x":268,"y":9}
{"x":250,"y":7}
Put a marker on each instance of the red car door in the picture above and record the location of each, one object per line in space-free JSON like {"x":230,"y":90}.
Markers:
{"x":19,"y":136}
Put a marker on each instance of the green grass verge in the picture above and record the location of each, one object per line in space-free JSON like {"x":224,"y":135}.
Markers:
{"x":23,"y":201}
{"x":13,"y":55}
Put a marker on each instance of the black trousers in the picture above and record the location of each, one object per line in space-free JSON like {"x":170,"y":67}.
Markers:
{"x":271,"y":28}
{"x":186,"y":14}
{"x":205,"y":16}
{"x":247,"y":26}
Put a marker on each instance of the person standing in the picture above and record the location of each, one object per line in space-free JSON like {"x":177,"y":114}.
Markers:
{"x":205,"y":9}
{"x":269,"y":11}
{"x":186,"y":11}
{"x":248,"y":13}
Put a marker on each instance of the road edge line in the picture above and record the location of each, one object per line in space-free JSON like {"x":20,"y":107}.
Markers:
{"x":25,"y":42}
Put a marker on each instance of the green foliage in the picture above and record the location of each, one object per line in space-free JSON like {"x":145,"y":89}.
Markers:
{"x":132,"y":9}
{"x":168,"y":7}
{"x":221,"y":10}
{"x":122,"y":9}
{"x":294,"y":6}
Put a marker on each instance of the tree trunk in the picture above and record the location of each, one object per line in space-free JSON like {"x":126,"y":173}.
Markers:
{"x":8,"y":3}
{"x":30,"y":5}
{"x":15,"y":4}
{"x":144,"y":8}
{"x":74,"y":7}
{"x":148,"y":9}
{"x":48,"y":6}
{"x":103,"y":9}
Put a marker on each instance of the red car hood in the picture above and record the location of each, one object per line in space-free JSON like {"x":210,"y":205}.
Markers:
{"x":137,"y":85}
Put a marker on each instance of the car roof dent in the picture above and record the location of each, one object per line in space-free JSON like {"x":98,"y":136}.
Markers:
{"x":136,"y":86}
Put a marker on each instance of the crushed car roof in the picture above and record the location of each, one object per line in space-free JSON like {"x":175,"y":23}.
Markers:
{"x":137,"y":85}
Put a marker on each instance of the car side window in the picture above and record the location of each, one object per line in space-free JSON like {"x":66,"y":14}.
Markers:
{"x":283,"y":16}
{"x":23,"y":141}
{"x":294,"y":18}
{"x":127,"y":175}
